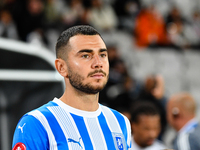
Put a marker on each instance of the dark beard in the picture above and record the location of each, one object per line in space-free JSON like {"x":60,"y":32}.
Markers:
{"x":76,"y":81}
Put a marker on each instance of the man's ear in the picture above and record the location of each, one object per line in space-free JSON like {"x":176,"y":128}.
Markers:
{"x":61,"y":67}
{"x":175,"y":112}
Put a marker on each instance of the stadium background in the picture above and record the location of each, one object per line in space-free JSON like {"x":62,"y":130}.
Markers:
{"x":148,"y":37}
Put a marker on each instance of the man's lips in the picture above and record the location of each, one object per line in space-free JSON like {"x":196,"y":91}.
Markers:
{"x":97,"y":75}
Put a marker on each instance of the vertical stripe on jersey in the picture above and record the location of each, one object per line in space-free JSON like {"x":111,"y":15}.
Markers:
{"x":68,"y":127}
{"x":112,"y":121}
{"x":122,"y":124}
{"x":117,"y":123}
{"x":38,"y":115}
{"x":83,"y":132}
{"x":95,"y":133}
{"x":107,"y":134}
{"x":56,"y":129}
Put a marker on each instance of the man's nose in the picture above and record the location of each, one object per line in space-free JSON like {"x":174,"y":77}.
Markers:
{"x":97,"y":62}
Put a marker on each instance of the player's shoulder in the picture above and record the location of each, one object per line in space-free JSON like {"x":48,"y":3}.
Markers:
{"x":29,"y":129}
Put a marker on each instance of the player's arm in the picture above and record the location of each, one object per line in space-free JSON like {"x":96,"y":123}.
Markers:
{"x":30,"y":135}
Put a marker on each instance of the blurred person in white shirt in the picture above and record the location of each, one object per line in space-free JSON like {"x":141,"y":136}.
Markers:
{"x":145,"y":125}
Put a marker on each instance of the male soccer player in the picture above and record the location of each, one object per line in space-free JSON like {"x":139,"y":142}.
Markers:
{"x":76,"y":121}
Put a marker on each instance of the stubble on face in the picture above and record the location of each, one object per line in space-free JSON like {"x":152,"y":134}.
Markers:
{"x":76,"y":80}
{"x":86,"y":83}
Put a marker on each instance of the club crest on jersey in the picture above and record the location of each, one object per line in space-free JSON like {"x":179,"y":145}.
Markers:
{"x":19,"y":146}
{"x":119,"y":141}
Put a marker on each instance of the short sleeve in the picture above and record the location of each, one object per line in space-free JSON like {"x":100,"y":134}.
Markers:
{"x":30,"y":134}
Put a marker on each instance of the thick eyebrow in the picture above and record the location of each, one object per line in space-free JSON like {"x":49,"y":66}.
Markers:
{"x":90,"y":51}
{"x":103,"y":50}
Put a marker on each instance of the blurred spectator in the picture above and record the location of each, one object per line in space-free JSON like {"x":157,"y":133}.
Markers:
{"x":175,"y":26}
{"x":155,"y":85}
{"x":129,"y":91}
{"x":17,"y":9}
{"x":174,"y":15}
{"x":53,"y":10}
{"x":181,"y":115}
{"x":113,"y":54}
{"x":118,"y":69}
{"x":75,"y":13}
{"x":31,"y":25}
{"x":193,"y":31}
{"x":102,"y":16}
{"x":181,"y":32}
{"x":118,"y":72}
{"x":8,"y":4}
{"x":150,"y":28}
{"x":145,"y":125}
{"x":114,"y":86}
{"x":7,"y":26}
{"x":176,"y":34}
{"x":153,"y":91}
{"x":52,"y":21}
{"x":33,"y":18}
{"x":126,"y":11}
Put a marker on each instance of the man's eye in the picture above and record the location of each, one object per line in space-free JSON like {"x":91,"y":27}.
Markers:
{"x":103,"y":55}
{"x":85,"y":56}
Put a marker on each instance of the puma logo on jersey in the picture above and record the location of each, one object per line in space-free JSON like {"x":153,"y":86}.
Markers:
{"x":21,"y":127}
{"x":73,"y":141}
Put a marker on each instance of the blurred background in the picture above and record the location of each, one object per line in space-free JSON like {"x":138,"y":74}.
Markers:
{"x":153,"y":47}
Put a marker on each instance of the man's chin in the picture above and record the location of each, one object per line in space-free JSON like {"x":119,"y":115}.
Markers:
{"x":92,"y":90}
{"x":96,"y":90}
{"x":147,"y":143}
{"x":98,"y":86}
{"x":150,"y":142}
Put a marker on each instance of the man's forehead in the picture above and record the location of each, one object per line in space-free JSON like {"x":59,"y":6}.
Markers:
{"x":86,"y":40}
{"x":145,"y":118}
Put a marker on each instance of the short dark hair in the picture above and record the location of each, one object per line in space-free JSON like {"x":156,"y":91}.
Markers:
{"x":143,"y":108}
{"x":70,"y":32}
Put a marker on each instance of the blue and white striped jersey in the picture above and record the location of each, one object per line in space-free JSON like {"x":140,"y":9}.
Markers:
{"x":57,"y":126}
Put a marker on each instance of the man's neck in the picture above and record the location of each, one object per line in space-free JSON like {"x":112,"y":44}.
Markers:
{"x":80,"y":100}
